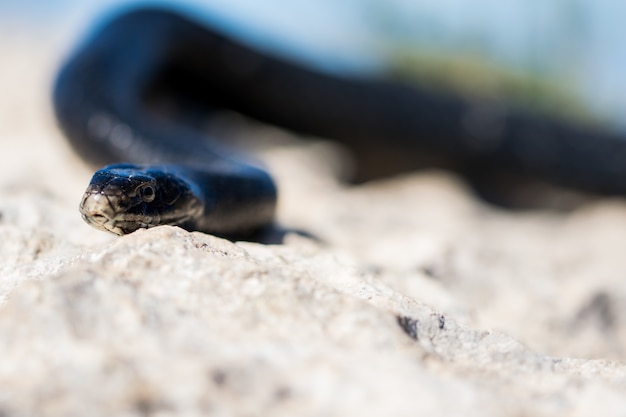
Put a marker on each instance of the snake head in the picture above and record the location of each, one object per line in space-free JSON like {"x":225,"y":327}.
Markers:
{"x":122,"y":198}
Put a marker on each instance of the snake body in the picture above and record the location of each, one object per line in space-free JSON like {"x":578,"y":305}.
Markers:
{"x":107,"y":99}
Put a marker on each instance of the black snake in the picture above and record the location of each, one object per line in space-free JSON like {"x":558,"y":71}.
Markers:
{"x":108,"y":101}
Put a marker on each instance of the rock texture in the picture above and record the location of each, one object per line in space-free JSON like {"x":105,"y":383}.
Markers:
{"x":413,"y":298}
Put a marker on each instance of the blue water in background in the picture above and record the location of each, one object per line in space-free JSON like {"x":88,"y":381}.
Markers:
{"x":578,"y":39}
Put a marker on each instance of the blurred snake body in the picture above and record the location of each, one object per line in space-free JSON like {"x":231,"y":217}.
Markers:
{"x":108,"y":99}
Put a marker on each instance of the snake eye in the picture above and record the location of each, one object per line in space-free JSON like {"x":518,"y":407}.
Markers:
{"x":147,"y":193}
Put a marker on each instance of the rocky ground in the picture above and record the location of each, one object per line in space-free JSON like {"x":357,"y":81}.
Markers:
{"x":413,"y":298}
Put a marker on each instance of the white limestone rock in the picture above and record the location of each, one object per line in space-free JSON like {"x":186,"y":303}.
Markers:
{"x":412,"y":299}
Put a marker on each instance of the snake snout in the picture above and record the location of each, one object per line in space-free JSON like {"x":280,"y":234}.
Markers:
{"x":95,"y":211}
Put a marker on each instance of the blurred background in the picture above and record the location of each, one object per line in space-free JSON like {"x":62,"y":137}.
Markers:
{"x":563,"y":56}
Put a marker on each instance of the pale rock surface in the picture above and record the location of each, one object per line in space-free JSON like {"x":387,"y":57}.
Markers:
{"x":412,"y":299}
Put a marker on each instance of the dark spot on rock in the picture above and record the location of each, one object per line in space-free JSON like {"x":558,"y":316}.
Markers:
{"x":201,"y":246}
{"x":436,"y":270}
{"x":147,"y":406}
{"x":282,"y":393}
{"x":599,"y":309}
{"x":409,"y":325}
{"x":218,"y":377}
{"x":430,"y":271}
{"x":442,"y":322}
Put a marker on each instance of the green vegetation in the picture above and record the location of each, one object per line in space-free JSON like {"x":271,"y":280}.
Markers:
{"x":475,"y":76}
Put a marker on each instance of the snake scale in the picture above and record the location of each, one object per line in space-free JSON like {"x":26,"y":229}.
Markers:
{"x":108,"y":99}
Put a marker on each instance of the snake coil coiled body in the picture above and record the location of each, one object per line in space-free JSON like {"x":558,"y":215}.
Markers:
{"x":102,"y":104}
{"x":108,"y":100}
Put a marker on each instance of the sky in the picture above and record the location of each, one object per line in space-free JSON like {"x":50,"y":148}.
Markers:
{"x":582,"y":39}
